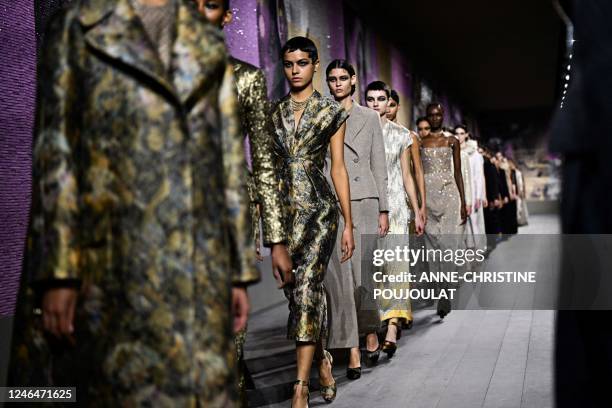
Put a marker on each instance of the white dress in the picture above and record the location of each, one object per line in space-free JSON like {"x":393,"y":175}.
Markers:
{"x":476,"y":220}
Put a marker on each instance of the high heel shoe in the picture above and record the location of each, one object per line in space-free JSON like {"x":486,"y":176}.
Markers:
{"x":444,"y":307}
{"x":390,"y":347}
{"x":303,"y":384}
{"x":353,"y":373}
{"x":371,"y":357}
{"x":328,"y":392}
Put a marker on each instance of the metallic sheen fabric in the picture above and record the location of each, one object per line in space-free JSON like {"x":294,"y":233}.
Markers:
{"x":139,"y":199}
{"x":397,"y":139}
{"x":255,"y":119}
{"x":311,"y":208}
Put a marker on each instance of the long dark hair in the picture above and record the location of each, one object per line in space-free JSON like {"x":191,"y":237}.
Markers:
{"x":341,"y":64}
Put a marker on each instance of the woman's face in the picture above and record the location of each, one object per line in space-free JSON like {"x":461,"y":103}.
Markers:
{"x":392,"y":108}
{"x":299,"y":69}
{"x":378,"y":101}
{"x":435,"y":117}
{"x":423,"y":128}
{"x":340,"y":83}
{"x":214,"y":12}
{"x":461,"y":134}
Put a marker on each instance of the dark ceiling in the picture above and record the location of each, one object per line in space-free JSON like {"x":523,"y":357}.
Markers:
{"x":490,"y":55}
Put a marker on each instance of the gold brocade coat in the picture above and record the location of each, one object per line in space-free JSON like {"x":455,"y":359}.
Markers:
{"x":256,"y":122}
{"x":139,"y":200}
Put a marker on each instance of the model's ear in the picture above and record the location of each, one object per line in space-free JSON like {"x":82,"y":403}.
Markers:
{"x":316,"y":64}
{"x":227,"y":18}
{"x":353,"y":80}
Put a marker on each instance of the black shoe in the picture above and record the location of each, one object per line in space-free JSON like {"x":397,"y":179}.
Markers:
{"x":408,"y":325}
{"x":444,"y":307}
{"x":353,"y":373}
{"x":371,"y":357}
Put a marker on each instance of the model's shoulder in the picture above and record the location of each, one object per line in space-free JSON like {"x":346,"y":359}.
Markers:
{"x":278,"y":102}
{"x":368,"y":113}
{"x":325,"y":101}
{"x":398,"y":128}
{"x":243,"y":66}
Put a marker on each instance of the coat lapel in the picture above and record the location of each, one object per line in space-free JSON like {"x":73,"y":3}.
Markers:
{"x":114,"y":29}
{"x":354,"y":125}
{"x":195,"y":56}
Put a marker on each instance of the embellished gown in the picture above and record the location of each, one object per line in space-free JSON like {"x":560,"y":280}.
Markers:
{"x":310,"y":208}
{"x":443,"y":229}
{"x":397,"y":139}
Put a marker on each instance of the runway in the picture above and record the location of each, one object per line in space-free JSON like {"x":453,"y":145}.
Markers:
{"x":474,"y":358}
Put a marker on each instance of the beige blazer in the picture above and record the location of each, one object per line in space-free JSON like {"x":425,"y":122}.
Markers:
{"x":364,"y":156}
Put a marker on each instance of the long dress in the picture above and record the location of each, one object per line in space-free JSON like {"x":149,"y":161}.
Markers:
{"x":139,"y":199}
{"x":522,"y":214}
{"x":478,"y":193}
{"x":397,"y":139}
{"x":443,"y":230}
{"x":310,"y":207}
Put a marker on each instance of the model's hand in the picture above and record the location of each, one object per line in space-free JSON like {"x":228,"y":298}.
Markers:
{"x":281,"y":265}
{"x":58,"y":312}
{"x":506,"y":200}
{"x":485,"y":203}
{"x":423,"y":212}
{"x":258,"y":255}
{"x":383,"y":223}
{"x":468,"y":209}
{"x":419,"y":225}
{"x":477,"y":204}
{"x":347,"y":244}
{"x":240,"y":308}
{"x":497,"y":203}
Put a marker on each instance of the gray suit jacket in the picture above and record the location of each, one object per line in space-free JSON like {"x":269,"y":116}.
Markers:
{"x":364,"y":156}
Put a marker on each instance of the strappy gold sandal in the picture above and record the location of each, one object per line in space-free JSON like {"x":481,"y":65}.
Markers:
{"x":328,"y":392}
{"x":303,"y":384}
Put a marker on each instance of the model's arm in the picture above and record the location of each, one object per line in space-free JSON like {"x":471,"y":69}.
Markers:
{"x":236,"y":197}
{"x":378,"y":166}
{"x":410,"y":188}
{"x":418,"y":172}
{"x":467,"y":182}
{"x":53,"y":246}
{"x":260,"y":130}
{"x":454,"y":144}
{"x":340,"y":179}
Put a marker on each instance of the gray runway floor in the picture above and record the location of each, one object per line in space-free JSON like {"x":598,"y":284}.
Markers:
{"x":474,"y":358}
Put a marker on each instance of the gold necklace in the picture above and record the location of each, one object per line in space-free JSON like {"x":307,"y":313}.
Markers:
{"x":298,"y":106}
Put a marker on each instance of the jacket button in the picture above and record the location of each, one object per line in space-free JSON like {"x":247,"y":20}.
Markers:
{"x":355,"y":160}
{"x":356,"y":178}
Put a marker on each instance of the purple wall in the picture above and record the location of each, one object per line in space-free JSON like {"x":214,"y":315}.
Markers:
{"x":241,"y":34}
{"x":17,"y":96}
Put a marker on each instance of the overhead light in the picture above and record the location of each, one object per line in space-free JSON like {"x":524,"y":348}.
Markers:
{"x":570,"y":56}
{"x":566,"y":85}
{"x":567,"y":77}
{"x":565,"y":91}
{"x":569,"y":67}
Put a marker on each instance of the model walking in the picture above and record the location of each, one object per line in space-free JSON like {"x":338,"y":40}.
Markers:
{"x":306,"y":125}
{"x":446,"y":210}
{"x":395,"y":313}
{"x":353,"y":311}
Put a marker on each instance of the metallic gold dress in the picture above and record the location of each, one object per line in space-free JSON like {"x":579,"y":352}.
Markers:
{"x":397,"y":139}
{"x":311,"y":209}
{"x":443,"y":230}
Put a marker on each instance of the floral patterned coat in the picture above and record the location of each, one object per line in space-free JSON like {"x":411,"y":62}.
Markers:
{"x":139,"y":200}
